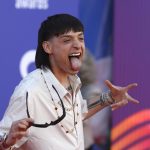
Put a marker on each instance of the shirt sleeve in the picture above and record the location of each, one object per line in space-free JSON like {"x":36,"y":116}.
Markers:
{"x":16,"y":110}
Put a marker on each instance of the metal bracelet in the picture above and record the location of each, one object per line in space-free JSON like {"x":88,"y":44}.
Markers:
{"x":106,"y":99}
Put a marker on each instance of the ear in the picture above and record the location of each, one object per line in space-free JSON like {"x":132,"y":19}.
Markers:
{"x":47,"y":47}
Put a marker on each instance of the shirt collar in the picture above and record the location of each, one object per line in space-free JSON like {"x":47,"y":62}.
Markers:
{"x":52,"y":80}
{"x":75,"y":82}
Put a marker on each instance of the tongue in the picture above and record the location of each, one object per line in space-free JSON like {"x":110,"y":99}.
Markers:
{"x":75,"y":63}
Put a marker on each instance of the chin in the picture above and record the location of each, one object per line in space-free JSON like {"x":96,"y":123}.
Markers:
{"x":73,"y":72}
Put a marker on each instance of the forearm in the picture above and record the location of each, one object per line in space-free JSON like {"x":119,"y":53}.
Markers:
{"x":94,"y":110}
{"x":104,"y":101}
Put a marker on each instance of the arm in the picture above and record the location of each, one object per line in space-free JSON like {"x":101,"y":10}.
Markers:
{"x":94,"y":110}
{"x":117,"y":97}
{"x":17,"y":131}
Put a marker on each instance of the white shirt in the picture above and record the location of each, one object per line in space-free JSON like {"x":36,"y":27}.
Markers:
{"x":42,"y":109}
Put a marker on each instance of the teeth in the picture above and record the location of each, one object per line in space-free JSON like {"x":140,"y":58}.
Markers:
{"x":77,"y":54}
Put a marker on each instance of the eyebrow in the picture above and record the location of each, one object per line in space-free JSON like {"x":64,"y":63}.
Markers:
{"x":68,"y":35}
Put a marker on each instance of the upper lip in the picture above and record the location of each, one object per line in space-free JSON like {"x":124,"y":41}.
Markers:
{"x":75,"y":54}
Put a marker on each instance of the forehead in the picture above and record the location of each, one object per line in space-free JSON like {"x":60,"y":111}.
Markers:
{"x":72,"y":33}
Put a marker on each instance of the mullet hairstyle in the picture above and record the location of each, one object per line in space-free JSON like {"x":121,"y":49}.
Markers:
{"x":55,"y":25}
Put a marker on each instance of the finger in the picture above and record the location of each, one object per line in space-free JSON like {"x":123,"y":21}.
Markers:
{"x":109,"y":84}
{"x":119,"y":104}
{"x":22,"y":127}
{"x":115,"y":107}
{"x":21,"y":134}
{"x":132,"y":99}
{"x":130,"y":86}
{"x":28,"y":122}
{"x":25,"y":123}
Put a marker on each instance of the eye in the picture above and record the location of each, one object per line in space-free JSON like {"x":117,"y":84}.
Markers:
{"x":81,"y":38}
{"x":66,"y":40}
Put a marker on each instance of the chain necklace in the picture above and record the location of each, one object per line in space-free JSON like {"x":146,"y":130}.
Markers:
{"x":70,"y":90}
{"x":76,"y":115}
{"x":71,"y":108}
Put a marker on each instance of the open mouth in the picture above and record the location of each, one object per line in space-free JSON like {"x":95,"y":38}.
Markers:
{"x":75,"y":61}
{"x":77,"y":55}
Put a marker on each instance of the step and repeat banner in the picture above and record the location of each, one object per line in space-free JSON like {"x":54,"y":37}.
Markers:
{"x":19,"y":24}
{"x":131,"y":64}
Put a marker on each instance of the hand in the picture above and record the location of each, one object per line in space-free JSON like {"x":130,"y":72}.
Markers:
{"x":18,"y":130}
{"x":120,"y":94}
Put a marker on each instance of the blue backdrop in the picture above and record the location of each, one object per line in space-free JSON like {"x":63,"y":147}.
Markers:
{"x":19,"y":24}
{"x":20,"y":21}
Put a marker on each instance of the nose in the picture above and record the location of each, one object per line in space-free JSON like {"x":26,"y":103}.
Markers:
{"x":77,"y":44}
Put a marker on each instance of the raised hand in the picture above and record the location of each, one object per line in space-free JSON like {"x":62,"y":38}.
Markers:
{"x":120,"y":94}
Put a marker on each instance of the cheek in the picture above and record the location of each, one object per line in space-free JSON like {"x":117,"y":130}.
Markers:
{"x":83,"y":47}
{"x":83,"y":50}
{"x":61,"y":53}
{"x":61,"y":57}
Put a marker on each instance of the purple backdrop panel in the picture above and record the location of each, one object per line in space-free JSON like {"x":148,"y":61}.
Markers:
{"x":131,"y":64}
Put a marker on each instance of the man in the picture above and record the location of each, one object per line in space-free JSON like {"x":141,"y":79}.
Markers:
{"x":46,"y":110}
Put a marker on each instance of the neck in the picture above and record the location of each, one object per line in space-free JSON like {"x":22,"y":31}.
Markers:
{"x":63,"y":78}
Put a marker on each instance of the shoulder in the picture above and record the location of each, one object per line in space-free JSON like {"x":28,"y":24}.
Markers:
{"x":32,"y":82}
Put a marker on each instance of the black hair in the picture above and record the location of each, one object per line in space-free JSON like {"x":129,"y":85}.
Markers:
{"x":54,"y":26}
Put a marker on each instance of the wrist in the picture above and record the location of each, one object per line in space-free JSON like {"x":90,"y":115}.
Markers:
{"x":106,"y":99}
{"x":3,"y":144}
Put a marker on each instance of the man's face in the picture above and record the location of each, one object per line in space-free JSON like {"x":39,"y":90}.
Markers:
{"x":66,"y":52}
